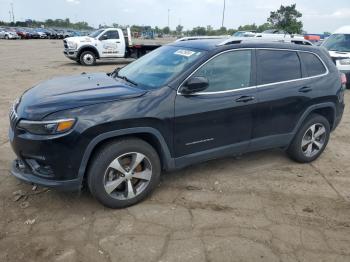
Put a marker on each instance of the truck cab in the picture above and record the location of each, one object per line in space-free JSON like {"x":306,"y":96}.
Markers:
{"x":106,"y":43}
{"x":102,"y":43}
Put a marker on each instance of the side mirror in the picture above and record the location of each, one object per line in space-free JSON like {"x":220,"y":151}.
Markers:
{"x":194,"y":85}
{"x":104,"y":37}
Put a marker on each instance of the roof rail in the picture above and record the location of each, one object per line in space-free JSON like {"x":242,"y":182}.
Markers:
{"x":239,"y":40}
{"x":189,"y":38}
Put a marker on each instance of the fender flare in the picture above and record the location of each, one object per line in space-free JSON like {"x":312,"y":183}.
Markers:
{"x":168,"y":161}
{"x":309,"y":110}
{"x":81,"y":49}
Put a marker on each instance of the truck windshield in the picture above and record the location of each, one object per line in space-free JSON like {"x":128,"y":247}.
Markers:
{"x":96,"y":33}
{"x":158,"y":67}
{"x":338,"y":42}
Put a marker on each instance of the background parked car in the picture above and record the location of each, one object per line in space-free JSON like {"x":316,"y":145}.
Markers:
{"x":8,"y":34}
{"x":60,"y":33}
{"x":34,"y":34}
{"x":22,"y":33}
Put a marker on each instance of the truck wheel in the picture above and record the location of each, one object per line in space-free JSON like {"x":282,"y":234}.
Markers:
{"x":124,"y":172}
{"x":88,"y":58}
{"x":311,"y":139}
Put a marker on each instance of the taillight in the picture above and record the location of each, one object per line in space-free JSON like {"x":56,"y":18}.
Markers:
{"x":343,"y":79}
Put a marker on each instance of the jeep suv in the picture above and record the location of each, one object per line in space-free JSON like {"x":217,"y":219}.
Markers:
{"x":184,"y":103}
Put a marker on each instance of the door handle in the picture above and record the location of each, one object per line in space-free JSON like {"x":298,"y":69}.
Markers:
{"x":245,"y":99}
{"x":305,"y":89}
{"x":118,"y":42}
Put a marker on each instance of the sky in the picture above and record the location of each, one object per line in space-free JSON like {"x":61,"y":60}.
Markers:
{"x":318,"y":16}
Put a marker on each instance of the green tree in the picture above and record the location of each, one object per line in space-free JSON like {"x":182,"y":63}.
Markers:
{"x":222,"y":31}
{"x":264,"y":27}
{"x":287,"y":18}
{"x":179,"y":29}
{"x":166,"y":30}
{"x":251,"y":27}
{"x":199,"y":31}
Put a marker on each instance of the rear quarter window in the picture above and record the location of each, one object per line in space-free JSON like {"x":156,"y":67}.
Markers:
{"x":313,"y":65}
{"x":277,"y":66}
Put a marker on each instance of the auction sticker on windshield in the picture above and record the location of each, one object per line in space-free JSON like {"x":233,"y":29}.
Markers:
{"x":184,"y":52}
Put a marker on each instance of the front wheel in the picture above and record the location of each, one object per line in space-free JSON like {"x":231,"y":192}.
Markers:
{"x":124,"y":172}
{"x":87,"y":58}
{"x":310,"y":140}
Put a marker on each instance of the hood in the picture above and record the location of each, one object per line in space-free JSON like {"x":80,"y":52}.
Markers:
{"x":63,"y":93}
{"x":80,"y":39}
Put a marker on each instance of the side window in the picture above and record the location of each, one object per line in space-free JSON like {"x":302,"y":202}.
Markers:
{"x":277,"y":66}
{"x":112,"y":34}
{"x":312,"y":64}
{"x":227,"y":71}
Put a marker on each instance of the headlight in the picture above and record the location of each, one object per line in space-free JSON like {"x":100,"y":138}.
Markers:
{"x":344,"y":61}
{"x":72,"y":45}
{"x":47,"y":127}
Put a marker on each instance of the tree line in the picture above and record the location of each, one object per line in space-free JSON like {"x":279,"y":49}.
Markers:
{"x":286,"y":18}
{"x":59,"y":23}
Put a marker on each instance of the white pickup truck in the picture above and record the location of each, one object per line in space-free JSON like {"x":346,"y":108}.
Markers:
{"x":107,"y":43}
{"x":338,"y":45}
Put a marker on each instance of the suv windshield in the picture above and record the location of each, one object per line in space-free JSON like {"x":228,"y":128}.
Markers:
{"x":96,"y":33}
{"x":338,"y":42}
{"x":160,"y":66}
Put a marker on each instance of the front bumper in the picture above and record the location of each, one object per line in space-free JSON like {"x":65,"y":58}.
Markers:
{"x":23,"y":173}
{"x":50,"y":161}
{"x":71,"y":54}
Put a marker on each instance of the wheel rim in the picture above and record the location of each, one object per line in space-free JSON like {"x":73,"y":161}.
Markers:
{"x":313,"y":140}
{"x":88,"y":59}
{"x":127,"y":176}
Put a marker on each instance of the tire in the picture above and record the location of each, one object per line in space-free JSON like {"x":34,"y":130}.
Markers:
{"x":87,"y":58}
{"x":314,"y":134}
{"x":114,"y":178}
{"x":6,"y":37}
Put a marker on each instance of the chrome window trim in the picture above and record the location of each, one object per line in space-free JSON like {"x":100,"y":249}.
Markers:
{"x":256,"y":86}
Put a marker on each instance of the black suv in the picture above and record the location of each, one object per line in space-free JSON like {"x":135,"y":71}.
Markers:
{"x":183,"y":103}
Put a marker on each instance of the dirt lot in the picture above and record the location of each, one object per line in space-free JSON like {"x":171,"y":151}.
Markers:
{"x":257,"y":207}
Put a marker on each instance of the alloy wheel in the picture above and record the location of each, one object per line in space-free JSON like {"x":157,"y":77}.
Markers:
{"x":313,"y":140}
{"x":127,"y":176}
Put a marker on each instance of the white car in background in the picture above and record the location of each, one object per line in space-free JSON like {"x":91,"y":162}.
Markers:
{"x":7,"y":34}
{"x":244,"y":34}
{"x":338,"y":45}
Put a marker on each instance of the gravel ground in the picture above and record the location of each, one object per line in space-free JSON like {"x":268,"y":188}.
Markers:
{"x":256,"y":207}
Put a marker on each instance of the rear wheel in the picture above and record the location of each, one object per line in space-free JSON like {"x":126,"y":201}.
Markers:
{"x":124,"y":172}
{"x":311,"y":139}
{"x":87,"y":58}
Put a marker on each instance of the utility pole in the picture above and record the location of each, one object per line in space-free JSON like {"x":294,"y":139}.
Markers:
{"x":168,"y":18}
{"x":223,"y":14}
{"x":13,"y":15}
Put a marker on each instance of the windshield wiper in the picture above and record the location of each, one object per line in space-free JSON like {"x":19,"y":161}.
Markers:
{"x":126,"y":79}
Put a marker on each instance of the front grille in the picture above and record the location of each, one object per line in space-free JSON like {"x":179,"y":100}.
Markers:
{"x":65,"y":44}
{"x":13,"y":117}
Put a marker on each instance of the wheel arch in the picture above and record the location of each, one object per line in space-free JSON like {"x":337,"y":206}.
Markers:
{"x":88,"y":48}
{"x":148,"y":134}
{"x":328,"y":110}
